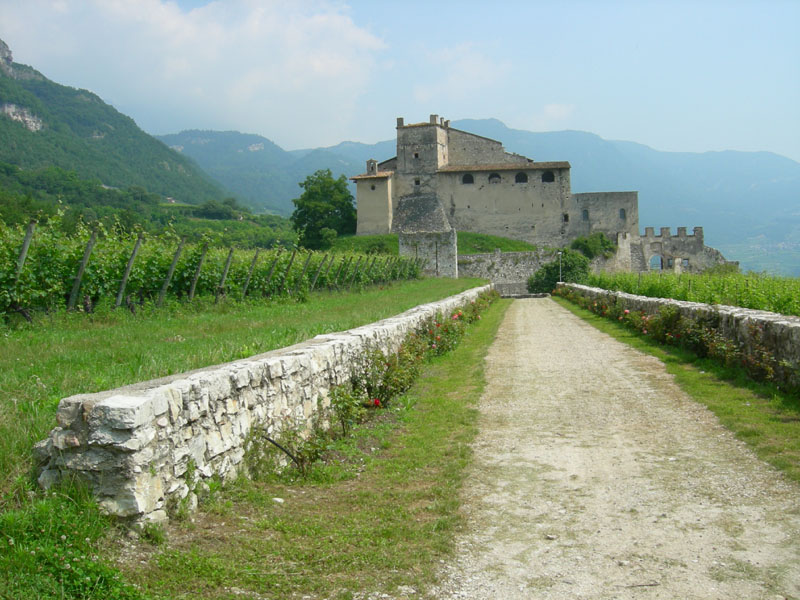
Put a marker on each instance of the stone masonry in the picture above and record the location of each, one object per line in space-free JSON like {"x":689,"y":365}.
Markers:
{"x":743,"y":326}
{"x":146,"y":447}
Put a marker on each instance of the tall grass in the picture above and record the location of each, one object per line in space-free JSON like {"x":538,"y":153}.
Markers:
{"x":67,"y":354}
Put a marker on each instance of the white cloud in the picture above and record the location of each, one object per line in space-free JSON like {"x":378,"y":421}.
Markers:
{"x":460,"y":71}
{"x":272,"y":67}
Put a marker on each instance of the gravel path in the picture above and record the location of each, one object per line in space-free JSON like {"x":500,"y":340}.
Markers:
{"x":596,"y":477}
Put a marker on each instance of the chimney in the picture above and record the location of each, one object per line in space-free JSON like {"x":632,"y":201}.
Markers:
{"x":399,"y":121}
{"x":434,"y":118}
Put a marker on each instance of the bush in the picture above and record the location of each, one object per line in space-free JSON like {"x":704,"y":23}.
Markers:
{"x":596,"y":244}
{"x":574,"y":269}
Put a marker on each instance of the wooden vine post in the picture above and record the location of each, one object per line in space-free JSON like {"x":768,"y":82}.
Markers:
{"x":355,"y":272}
{"x":303,"y":274}
{"x":196,"y":277}
{"x":23,"y":252}
{"x":250,"y":273}
{"x":288,"y":268}
{"x":128,"y":268}
{"x":319,"y":270}
{"x":225,"y":270}
{"x":76,"y":287}
{"x":271,"y":271}
{"x":170,"y":273}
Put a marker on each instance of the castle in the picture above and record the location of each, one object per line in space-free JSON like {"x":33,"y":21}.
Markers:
{"x":445,"y":180}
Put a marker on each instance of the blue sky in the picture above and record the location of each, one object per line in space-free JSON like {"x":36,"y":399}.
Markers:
{"x":678,"y":76}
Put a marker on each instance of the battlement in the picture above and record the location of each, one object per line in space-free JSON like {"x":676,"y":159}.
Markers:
{"x":666,"y":232}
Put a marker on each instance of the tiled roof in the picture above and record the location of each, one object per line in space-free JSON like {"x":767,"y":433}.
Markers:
{"x":540,"y":166}
{"x":378,"y":175}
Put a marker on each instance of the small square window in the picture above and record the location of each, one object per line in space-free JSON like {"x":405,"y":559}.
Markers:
{"x":416,"y":182}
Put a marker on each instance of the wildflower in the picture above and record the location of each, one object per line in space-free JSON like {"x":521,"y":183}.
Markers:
{"x":10,"y":541}
{"x":627,"y":312}
{"x":376,"y":402}
{"x":433,"y":346}
{"x":438,"y":337}
{"x":63,"y":537}
{"x":438,"y":324}
{"x":644,"y":331}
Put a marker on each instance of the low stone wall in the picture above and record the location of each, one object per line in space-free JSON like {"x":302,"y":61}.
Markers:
{"x":780,"y":334}
{"x":504,"y":267}
{"x":143,"y":448}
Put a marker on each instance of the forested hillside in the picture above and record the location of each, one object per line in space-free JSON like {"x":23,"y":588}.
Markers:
{"x":44,"y":124}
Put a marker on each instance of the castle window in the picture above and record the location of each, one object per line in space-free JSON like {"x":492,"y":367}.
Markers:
{"x":566,"y":217}
{"x":416,"y":182}
{"x":372,"y":187}
{"x":548,"y":177}
{"x":685,"y":262}
{"x":622,"y":213}
{"x":494,"y":178}
{"x":416,"y":154}
{"x":467,"y":178}
{"x":521,"y":178}
{"x":585,"y":215}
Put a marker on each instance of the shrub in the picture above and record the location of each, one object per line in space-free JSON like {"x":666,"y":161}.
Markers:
{"x":574,"y":269}
{"x":596,"y":244}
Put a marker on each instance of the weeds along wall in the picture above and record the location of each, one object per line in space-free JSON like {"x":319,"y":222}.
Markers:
{"x":749,"y":330}
{"x":145,"y":449}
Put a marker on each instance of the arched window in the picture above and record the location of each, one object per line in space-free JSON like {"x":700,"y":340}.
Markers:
{"x":548,"y":177}
{"x":494,"y":178}
{"x":585,"y":214}
{"x":468,"y":178}
{"x":521,"y":178}
{"x":656,"y":263}
{"x":622,"y":213}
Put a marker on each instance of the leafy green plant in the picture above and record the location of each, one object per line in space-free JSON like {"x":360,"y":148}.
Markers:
{"x":573,"y":267}
{"x":596,"y":244}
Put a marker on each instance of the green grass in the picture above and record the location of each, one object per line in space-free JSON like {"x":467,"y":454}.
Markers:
{"x":481,"y":243}
{"x":766,"y":418}
{"x":382,"y":524}
{"x":364,"y":244}
{"x":68,"y":354}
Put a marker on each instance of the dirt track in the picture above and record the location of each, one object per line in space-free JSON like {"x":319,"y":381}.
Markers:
{"x":596,"y":477}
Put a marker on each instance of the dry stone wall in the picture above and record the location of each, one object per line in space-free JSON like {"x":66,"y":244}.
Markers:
{"x":147,"y":447}
{"x":780,"y":334}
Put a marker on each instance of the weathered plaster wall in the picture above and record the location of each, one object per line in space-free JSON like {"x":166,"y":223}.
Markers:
{"x":375,"y":206}
{"x":437,"y":249}
{"x":470,"y":149}
{"x":532,"y":211}
{"x":606,"y":212}
{"x":133,"y":445}
{"x":504,"y":267}
{"x":779,"y":333}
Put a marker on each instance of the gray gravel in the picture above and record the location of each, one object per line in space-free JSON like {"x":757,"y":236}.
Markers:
{"x":596,"y":477}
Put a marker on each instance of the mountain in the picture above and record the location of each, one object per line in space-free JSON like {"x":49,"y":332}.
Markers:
{"x":44,"y":124}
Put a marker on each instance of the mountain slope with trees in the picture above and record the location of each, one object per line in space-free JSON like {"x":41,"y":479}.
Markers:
{"x":44,"y":124}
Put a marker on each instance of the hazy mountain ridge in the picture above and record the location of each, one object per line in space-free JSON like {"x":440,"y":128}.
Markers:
{"x":747,"y":202}
{"x":43,"y":123}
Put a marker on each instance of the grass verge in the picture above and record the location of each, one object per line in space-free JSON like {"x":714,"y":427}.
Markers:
{"x":66,"y":354}
{"x":766,"y":418}
{"x":379,"y":519}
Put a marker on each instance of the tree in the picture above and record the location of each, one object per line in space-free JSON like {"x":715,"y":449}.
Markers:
{"x":326,"y":203}
{"x":574,"y":269}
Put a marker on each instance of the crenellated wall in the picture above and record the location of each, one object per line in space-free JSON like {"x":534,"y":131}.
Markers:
{"x":144,"y":448}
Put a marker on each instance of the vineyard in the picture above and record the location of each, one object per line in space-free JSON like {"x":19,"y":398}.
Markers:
{"x":41,"y":268}
{"x":760,"y":292}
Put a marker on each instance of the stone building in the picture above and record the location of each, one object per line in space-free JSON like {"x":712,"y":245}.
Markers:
{"x":445,"y":180}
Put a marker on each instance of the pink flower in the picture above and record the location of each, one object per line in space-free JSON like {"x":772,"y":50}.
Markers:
{"x":627,"y":312}
{"x":644,"y":331}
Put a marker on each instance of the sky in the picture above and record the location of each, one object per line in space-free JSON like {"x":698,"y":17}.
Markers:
{"x":696,"y":76}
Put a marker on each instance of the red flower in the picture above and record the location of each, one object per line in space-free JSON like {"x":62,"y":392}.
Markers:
{"x":438,"y":337}
{"x":376,"y":402}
